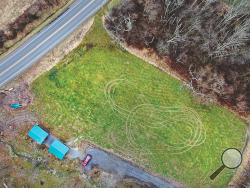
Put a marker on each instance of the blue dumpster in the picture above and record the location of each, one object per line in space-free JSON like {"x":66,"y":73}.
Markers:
{"x":15,"y":105}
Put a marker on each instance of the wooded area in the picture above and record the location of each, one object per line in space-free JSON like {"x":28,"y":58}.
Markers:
{"x":207,"y":41}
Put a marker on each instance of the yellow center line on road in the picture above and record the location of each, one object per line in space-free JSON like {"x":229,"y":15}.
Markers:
{"x":47,"y":38}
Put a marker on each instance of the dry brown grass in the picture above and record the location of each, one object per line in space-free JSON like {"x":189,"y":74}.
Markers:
{"x":240,"y":176}
{"x":54,"y":56}
{"x":11,"y":10}
{"x":19,"y":172}
{"x":7,"y":18}
{"x":150,"y":57}
{"x":153,"y":59}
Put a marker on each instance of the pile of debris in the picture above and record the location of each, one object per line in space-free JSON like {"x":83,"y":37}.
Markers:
{"x":15,"y":95}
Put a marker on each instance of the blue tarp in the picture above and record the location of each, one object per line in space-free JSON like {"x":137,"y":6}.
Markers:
{"x":58,"y":149}
{"x":38,"y":134}
{"x":15,"y":105}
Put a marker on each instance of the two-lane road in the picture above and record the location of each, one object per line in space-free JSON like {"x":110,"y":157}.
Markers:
{"x":46,"y":39}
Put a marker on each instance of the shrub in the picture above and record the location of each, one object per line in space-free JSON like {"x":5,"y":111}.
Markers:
{"x":193,"y":33}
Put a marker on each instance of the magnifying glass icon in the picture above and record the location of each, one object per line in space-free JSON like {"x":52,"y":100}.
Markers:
{"x":231,"y":158}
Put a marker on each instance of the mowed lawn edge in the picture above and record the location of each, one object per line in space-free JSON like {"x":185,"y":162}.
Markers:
{"x":71,"y":100}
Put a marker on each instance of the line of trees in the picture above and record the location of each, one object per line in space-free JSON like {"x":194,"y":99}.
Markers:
{"x":32,"y":13}
{"x":208,"y":42}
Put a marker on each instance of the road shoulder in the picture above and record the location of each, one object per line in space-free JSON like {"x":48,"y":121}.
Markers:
{"x":54,"y":56}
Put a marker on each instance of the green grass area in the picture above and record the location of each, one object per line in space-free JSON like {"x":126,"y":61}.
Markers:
{"x":137,"y":110}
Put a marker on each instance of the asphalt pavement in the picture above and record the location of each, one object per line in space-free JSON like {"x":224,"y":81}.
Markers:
{"x":47,"y":38}
{"x":39,"y":45}
{"x":111,"y":163}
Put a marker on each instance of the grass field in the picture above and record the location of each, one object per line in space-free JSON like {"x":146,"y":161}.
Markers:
{"x":121,"y":102}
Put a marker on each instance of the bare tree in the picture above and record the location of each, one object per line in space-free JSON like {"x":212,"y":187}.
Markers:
{"x":206,"y":34}
{"x":232,"y":45}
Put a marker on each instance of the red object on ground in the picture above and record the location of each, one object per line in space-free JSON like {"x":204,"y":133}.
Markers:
{"x":86,"y":160}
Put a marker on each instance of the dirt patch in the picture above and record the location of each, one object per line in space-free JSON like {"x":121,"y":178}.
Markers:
{"x":16,"y":123}
{"x":16,"y":95}
{"x":23,"y":162}
{"x":133,"y":183}
{"x":10,"y":117}
{"x":16,"y":133}
{"x":112,"y":180}
{"x":22,"y":159}
{"x":242,"y":175}
{"x":109,"y":179}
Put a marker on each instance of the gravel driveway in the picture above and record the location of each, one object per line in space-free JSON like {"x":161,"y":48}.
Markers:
{"x":111,"y":163}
